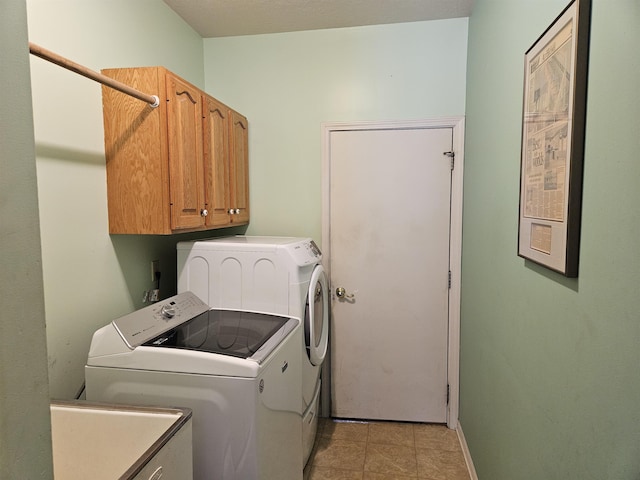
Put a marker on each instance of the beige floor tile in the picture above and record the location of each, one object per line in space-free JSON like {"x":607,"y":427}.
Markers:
{"x":441,"y":465}
{"x":386,"y":476}
{"x":324,"y":473}
{"x":391,"y":433}
{"x":377,"y":450}
{"x":338,"y":453}
{"x":352,"y":431}
{"x":437,"y":437}
{"x":390,"y":459}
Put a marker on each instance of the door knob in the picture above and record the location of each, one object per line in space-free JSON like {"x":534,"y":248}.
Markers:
{"x":342,"y":293}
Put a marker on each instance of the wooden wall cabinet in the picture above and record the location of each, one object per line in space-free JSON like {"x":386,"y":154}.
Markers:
{"x":180,"y":167}
{"x":226,"y":164}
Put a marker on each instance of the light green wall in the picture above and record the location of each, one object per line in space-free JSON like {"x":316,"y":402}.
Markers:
{"x":549,"y":366}
{"x":91,"y":277}
{"x":288,"y":84}
{"x":25,"y":432}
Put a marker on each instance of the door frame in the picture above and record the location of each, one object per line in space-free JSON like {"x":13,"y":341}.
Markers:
{"x":455,"y":250}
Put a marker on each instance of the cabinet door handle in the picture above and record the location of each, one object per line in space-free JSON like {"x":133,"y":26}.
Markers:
{"x":237,"y":211}
{"x":231,"y":211}
{"x":204,"y":212}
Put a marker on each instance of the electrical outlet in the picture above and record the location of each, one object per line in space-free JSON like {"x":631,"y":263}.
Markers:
{"x":155,"y":267}
{"x":154,"y":295}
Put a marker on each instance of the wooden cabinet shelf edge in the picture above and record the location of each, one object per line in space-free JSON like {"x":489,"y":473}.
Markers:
{"x":180,"y":167}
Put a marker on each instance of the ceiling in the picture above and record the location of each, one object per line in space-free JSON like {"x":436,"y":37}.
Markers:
{"x":224,"y":18}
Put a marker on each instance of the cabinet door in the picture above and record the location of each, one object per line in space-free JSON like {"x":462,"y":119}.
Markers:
{"x":216,"y":162}
{"x":239,"y":164}
{"x":186,"y":163}
{"x":135,"y":139}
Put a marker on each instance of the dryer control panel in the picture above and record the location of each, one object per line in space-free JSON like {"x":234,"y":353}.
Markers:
{"x":305,"y":252}
{"x":142,"y":325}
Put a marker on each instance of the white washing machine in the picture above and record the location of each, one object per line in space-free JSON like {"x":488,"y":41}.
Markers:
{"x":239,"y":372}
{"x":278,"y":275}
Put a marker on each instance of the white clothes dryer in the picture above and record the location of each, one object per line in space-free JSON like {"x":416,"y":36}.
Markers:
{"x":239,"y":372}
{"x":277,"y":275}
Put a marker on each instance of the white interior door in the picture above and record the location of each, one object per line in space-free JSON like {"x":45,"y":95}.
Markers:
{"x":389,"y":223}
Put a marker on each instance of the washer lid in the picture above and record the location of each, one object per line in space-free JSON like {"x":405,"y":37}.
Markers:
{"x":228,"y":332}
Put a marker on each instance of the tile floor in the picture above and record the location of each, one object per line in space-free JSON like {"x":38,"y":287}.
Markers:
{"x":385,"y":451}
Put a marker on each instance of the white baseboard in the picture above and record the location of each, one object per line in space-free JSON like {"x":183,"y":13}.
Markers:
{"x":467,"y":455}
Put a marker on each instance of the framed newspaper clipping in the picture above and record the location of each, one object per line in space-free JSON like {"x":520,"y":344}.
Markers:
{"x":553,"y":124}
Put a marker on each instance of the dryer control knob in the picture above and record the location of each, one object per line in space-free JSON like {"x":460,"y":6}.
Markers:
{"x":168,"y":311}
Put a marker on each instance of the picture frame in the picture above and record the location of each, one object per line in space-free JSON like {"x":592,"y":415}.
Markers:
{"x":553,"y":134}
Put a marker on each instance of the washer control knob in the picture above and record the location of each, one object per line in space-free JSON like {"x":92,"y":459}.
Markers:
{"x":168,"y":311}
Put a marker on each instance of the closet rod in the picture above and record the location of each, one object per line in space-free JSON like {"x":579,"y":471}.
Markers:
{"x":48,"y":55}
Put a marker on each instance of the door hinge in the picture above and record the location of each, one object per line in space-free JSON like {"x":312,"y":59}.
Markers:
{"x":448,"y":393}
{"x":452,"y":156}
{"x":449,"y":282}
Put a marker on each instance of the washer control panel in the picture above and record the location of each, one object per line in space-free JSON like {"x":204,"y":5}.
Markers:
{"x":142,"y":325}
